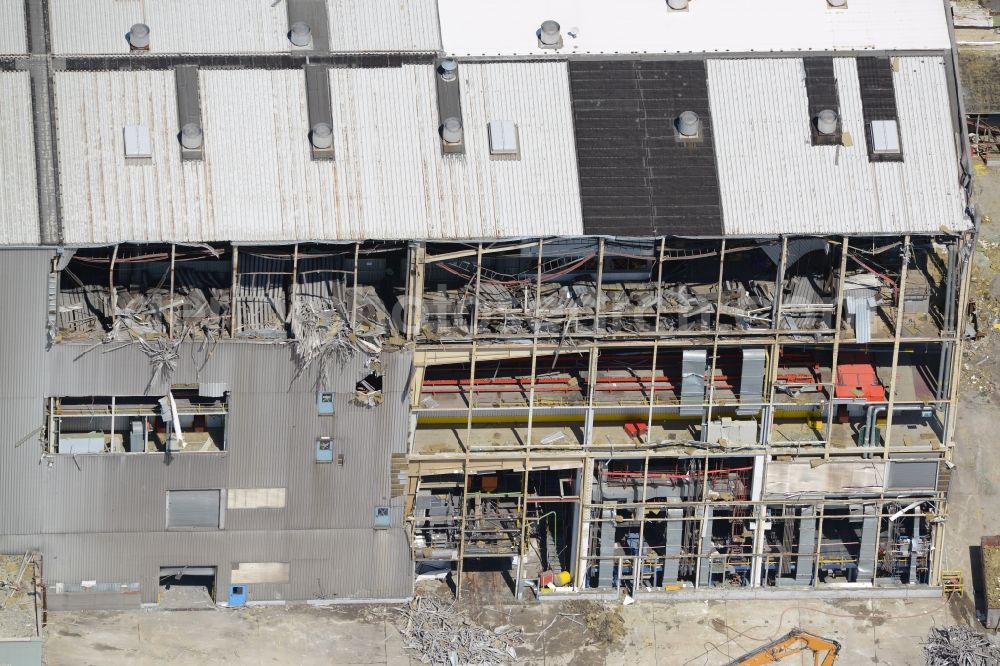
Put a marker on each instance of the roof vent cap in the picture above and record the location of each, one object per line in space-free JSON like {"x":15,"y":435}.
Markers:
{"x":677,"y":4}
{"x":321,"y":136}
{"x":192,"y":136}
{"x":448,"y":69}
{"x":826,"y":121}
{"x":688,"y":124}
{"x":300,"y":34}
{"x":138,"y":36}
{"x":548,"y":35}
{"x":837,"y":4}
{"x":451,"y":130}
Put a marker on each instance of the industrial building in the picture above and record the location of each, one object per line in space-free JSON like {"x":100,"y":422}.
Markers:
{"x":306,"y":299}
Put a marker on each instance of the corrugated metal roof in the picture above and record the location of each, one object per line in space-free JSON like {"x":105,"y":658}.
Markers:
{"x":13,"y":31}
{"x":258,"y":181}
{"x":383,"y":25}
{"x":175,"y":26}
{"x":774,"y":181}
{"x":18,"y":187}
{"x":235,"y":26}
{"x":507,"y":27}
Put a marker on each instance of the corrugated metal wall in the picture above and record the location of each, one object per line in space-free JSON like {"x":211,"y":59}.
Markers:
{"x":103,"y":517}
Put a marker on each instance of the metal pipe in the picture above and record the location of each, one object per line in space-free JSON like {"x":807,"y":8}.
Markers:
{"x":872,"y":416}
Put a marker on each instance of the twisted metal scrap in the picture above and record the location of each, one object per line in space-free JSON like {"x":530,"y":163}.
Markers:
{"x":960,"y":646}
{"x":440,"y":634}
{"x":163,"y":356}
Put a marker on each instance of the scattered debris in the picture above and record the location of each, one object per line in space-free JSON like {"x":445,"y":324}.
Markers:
{"x":18,"y":618}
{"x":322,"y":329}
{"x":441,"y":634}
{"x":605,"y":624}
{"x":960,"y":646}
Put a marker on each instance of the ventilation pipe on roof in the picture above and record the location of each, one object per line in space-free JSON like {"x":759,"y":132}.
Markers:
{"x":300,"y":34}
{"x":548,"y":35}
{"x":688,"y":124}
{"x":192,"y":136}
{"x":451,"y":130}
{"x":677,"y":4}
{"x":448,"y":69}
{"x":138,"y":37}
{"x":837,"y":4}
{"x":826,"y":121}
{"x":321,"y":136}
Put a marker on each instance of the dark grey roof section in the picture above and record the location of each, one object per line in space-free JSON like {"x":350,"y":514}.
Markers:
{"x":821,"y":90}
{"x":878,"y":100}
{"x":638,"y":177}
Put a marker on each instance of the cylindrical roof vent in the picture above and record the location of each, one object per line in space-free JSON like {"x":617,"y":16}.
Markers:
{"x":837,"y":3}
{"x":549,"y":35}
{"x":826,"y":121}
{"x":451,"y":130}
{"x":300,"y":34}
{"x":192,"y":136}
{"x":448,"y":69}
{"x":138,"y":36}
{"x":677,"y":4}
{"x":688,"y":124}
{"x":321,"y":136}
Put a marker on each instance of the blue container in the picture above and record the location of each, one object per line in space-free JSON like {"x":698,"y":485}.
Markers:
{"x":237,"y":596}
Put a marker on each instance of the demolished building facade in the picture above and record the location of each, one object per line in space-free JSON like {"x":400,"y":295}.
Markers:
{"x":319,"y":309}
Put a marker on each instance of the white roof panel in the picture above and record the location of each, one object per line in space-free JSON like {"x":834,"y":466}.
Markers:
{"x":175,"y":26}
{"x":507,"y":27}
{"x":13,"y":31}
{"x":772,"y":180}
{"x":237,"y":26}
{"x":18,"y":187}
{"x":258,"y":182}
{"x":383,"y":25}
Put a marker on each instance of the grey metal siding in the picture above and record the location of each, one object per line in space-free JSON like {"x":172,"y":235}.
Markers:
{"x":103,"y":517}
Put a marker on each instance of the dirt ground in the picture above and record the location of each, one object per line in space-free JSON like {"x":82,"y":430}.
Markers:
{"x":883,"y":631}
{"x":974,"y":509}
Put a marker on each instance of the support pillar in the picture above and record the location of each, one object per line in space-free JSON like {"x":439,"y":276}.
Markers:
{"x":869,"y":544}
{"x":705,"y":573}
{"x":672,"y":545}
{"x":606,"y":565}
{"x":806,"y":558}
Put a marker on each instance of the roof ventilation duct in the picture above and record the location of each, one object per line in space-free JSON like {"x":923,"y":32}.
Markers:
{"x":449,"y":99}
{"x":320,"y":111}
{"x":300,"y":34}
{"x":192,"y":137}
{"x":677,"y":5}
{"x":321,"y":136}
{"x":448,"y":70}
{"x":689,"y":125}
{"x":138,"y":37}
{"x":826,"y":122}
{"x":451,"y":130}
{"x":549,"y":36}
